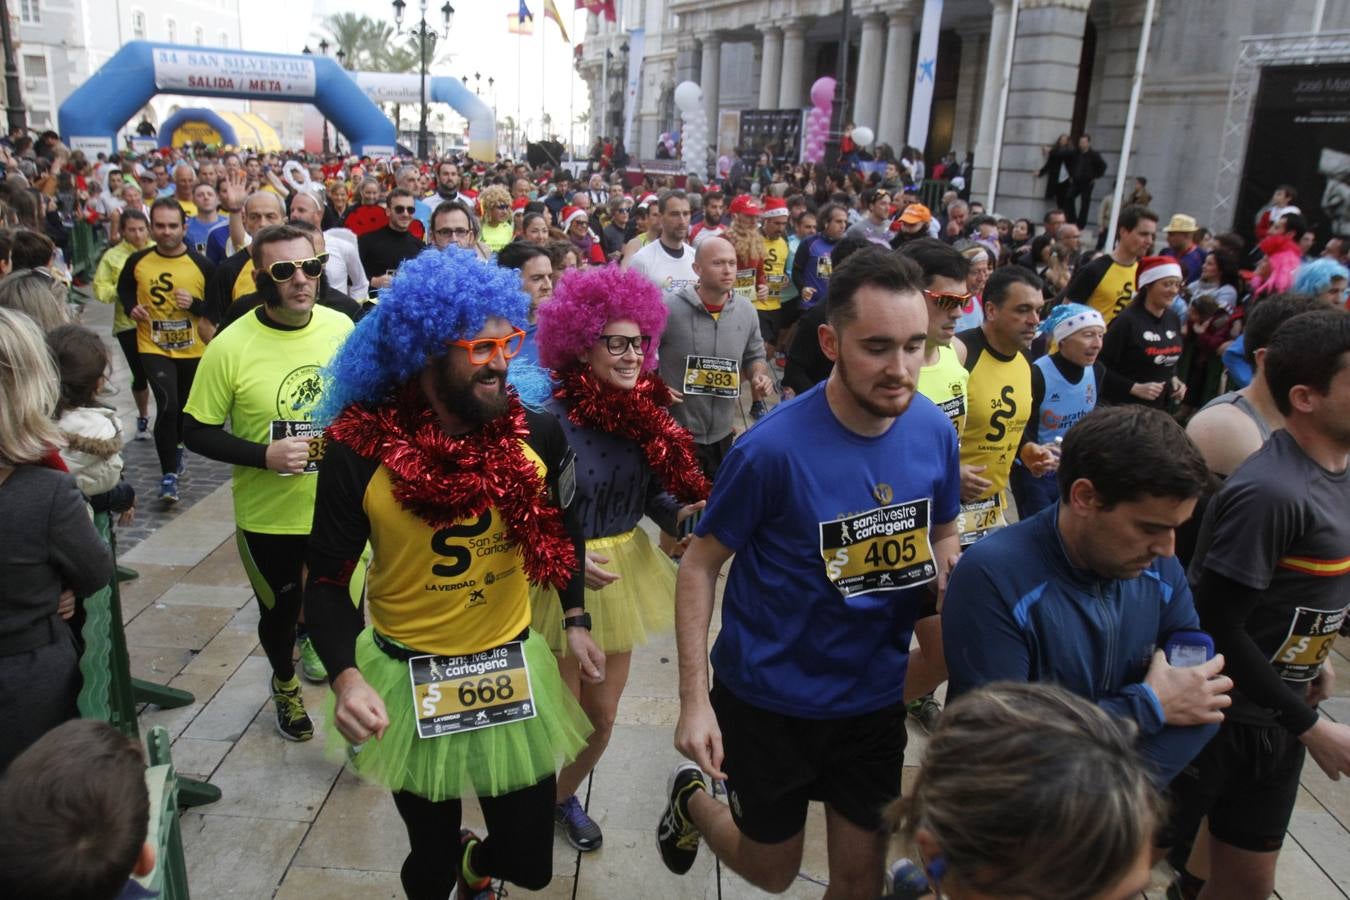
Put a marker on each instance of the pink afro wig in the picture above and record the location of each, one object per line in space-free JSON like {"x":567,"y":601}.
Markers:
{"x":585,"y":302}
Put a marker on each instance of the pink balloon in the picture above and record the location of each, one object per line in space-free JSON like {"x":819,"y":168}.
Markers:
{"x":822,"y":92}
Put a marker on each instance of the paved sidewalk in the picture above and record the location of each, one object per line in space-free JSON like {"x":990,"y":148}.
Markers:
{"x":291,"y":824}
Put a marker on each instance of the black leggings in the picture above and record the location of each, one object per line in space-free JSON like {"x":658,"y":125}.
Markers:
{"x":518,"y":847}
{"x":274,"y":565}
{"x":171,"y":381}
{"x":128,"y":341}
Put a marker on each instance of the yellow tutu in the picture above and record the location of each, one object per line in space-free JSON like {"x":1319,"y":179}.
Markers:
{"x":624,"y":613}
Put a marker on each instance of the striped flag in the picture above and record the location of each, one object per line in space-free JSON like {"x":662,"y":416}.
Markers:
{"x":520,"y":22}
{"x":551,"y":12}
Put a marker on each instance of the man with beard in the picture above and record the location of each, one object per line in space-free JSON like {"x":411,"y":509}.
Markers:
{"x":820,"y":602}
{"x":262,"y":375}
{"x":711,"y":225}
{"x":447,"y":185}
{"x":463,"y":493}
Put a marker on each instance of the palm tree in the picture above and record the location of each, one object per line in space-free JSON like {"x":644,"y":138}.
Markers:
{"x":353,"y":35}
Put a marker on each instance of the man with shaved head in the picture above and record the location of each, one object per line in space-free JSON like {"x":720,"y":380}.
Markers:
{"x":343,"y":268}
{"x":711,"y":341}
{"x":234,"y":277}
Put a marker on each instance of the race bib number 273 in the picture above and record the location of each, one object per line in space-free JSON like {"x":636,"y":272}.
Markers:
{"x":883,"y":549}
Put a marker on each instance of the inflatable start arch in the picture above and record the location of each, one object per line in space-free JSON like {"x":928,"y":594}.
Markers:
{"x":91,"y":116}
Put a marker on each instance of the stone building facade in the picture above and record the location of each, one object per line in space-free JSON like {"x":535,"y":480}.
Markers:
{"x":1073,"y":65}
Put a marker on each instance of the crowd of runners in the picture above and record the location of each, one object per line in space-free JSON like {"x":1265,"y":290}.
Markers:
{"x":1100,"y":496}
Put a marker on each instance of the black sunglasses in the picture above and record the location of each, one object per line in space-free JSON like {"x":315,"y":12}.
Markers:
{"x":404,"y":209}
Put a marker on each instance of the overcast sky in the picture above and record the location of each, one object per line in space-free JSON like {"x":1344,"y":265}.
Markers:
{"x":478,"y":41}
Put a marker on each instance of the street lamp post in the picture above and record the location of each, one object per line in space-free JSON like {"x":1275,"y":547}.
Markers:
{"x":423,"y":33}
{"x":323,"y":48}
{"x":14,"y":109}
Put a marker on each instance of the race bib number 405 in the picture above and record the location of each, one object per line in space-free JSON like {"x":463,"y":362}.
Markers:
{"x":883,"y":549}
{"x":284,"y":428}
{"x":712,"y":376}
{"x":1312,"y":632}
{"x":464,"y":693}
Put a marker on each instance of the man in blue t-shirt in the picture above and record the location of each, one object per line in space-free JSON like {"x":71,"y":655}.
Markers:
{"x":840,"y":508}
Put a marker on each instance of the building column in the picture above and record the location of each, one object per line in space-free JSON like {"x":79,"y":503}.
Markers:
{"x":870,"y":60}
{"x":794,"y":49}
{"x":771,"y":67}
{"x":999,"y":35}
{"x":710,"y":76}
{"x":896,"y":75}
{"x":1040,"y":103}
{"x":1117,"y":48}
{"x":970,"y":78}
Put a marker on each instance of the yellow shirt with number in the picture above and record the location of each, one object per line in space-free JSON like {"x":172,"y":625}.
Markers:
{"x":448,"y":591}
{"x":150,"y":279}
{"x":998,"y":404}
{"x":946,"y":383}
{"x":254,"y":374}
{"x":775,"y":271}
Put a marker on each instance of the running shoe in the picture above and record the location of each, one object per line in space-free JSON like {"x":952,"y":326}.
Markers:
{"x":581,"y":830}
{"x":758,"y":410}
{"x":676,"y":836}
{"x":168,"y":488}
{"x":310,"y":664}
{"x":479,"y":890}
{"x":926,"y":711}
{"x":142,"y":428}
{"x":292,"y":720}
{"x":180,"y":466}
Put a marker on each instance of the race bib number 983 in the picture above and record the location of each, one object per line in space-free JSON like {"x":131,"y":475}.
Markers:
{"x":712,"y":376}
{"x":883,"y":549}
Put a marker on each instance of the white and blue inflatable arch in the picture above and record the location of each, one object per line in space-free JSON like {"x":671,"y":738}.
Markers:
{"x":90,"y":117}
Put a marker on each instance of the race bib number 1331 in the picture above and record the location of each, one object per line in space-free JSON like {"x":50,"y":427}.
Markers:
{"x":883,"y":549}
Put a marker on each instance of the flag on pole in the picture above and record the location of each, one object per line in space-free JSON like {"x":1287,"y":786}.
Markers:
{"x":599,"y":7}
{"x":551,"y":12}
{"x":925,"y":71}
{"x":520,"y":22}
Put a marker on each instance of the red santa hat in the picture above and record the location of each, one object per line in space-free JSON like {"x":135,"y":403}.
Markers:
{"x":774,"y":206}
{"x":570,"y":214}
{"x":1155,"y":268}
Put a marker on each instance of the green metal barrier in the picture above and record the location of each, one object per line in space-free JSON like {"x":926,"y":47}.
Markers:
{"x":169,"y":876}
{"x":109,"y":692}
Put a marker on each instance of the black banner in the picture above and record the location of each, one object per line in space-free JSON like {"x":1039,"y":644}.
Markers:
{"x":1300,"y":136}
{"x":777,"y":132}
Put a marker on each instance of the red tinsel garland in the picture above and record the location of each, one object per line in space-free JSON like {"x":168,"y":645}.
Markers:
{"x":640,"y":415}
{"x":443,"y":479}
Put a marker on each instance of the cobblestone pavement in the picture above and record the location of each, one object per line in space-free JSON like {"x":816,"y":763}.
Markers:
{"x":292,"y":824}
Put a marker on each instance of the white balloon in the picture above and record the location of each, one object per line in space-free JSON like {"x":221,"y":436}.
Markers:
{"x":688,"y":96}
{"x":862,"y":136}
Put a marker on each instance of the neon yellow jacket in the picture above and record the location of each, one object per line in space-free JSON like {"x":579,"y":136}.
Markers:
{"x":105,"y":282}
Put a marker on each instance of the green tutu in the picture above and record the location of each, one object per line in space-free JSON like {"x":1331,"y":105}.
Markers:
{"x":624,"y":614}
{"x":487,"y":762}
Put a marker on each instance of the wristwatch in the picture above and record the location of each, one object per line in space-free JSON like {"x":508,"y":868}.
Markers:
{"x":583,"y":621}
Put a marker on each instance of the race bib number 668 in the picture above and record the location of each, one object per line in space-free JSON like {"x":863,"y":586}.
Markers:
{"x":883,"y":549}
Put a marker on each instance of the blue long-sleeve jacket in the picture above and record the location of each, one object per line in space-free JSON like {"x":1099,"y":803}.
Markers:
{"x":1016,"y":609}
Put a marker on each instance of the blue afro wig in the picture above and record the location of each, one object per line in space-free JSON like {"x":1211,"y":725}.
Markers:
{"x":436,"y":297}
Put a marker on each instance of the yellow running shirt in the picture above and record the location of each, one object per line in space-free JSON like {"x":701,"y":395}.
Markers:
{"x":265,"y":378}
{"x":1103,"y":284}
{"x":775,"y":271}
{"x":149,"y":279}
{"x":946,"y":383}
{"x":997,"y":409}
